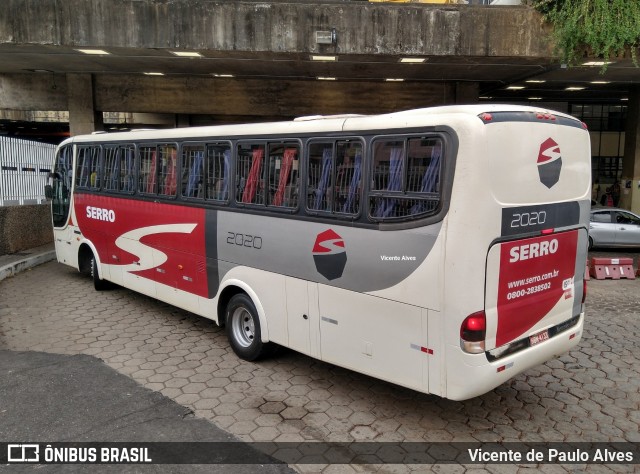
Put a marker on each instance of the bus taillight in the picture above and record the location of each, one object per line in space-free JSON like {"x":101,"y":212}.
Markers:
{"x":472,"y":333}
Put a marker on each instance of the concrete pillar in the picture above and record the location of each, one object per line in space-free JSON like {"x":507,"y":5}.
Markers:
{"x":467,"y":92}
{"x":630,"y":198}
{"x":83,"y":118}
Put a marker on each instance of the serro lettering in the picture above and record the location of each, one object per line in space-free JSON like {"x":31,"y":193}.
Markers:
{"x":534,"y":250}
{"x":101,"y":214}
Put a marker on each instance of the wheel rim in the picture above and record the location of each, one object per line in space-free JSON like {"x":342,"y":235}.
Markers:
{"x":243,"y":327}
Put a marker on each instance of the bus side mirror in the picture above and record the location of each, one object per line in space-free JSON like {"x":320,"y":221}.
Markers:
{"x":48,"y":191}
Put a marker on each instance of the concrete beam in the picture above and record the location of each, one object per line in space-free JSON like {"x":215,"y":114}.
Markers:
{"x":33,"y":92}
{"x":234,"y":27}
{"x":202,"y":95}
{"x":197,"y":95}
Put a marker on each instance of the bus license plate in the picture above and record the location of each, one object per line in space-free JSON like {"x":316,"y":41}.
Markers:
{"x":539,"y":337}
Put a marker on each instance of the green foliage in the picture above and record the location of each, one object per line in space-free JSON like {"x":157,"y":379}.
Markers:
{"x":598,"y":28}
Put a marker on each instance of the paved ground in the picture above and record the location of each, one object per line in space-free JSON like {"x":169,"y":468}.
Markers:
{"x":78,"y":398}
{"x":591,"y":394}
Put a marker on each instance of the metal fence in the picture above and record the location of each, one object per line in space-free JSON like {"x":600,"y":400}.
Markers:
{"x":24,"y":169}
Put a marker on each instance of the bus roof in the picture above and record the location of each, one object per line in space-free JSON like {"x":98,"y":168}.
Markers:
{"x":313,"y":124}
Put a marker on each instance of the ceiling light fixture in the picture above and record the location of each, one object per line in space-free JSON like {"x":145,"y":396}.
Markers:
{"x":394,"y":80}
{"x":223,"y":75}
{"x":325,"y":78}
{"x":600,"y":82}
{"x":315,"y":57}
{"x":186,"y":54}
{"x":515,"y":88}
{"x":535,"y":81}
{"x":95,"y":52}
{"x":597,"y":63}
{"x":574,"y":88}
{"x":154,"y":73}
{"x":413,"y":60}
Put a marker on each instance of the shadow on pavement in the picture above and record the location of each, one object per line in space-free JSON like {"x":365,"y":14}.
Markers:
{"x":77,"y":398}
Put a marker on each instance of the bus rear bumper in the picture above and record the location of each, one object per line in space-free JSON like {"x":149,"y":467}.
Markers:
{"x":475,"y":375}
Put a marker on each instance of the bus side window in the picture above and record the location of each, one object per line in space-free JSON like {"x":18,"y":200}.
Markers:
{"x":127,"y":169}
{"x":167,"y":170}
{"x":283,"y":175}
{"x":335,"y":177}
{"x":94,"y":177}
{"x":147,"y":171}
{"x":218,"y":172}
{"x":88,"y":167}
{"x":82,"y":168}
{"x":111,"y":171}
{"x":425,"y":163}
{"x":320,"y":177}
{"x":388,"y":167}
{"x":192,"y":171}
{"x":347,"y":186}
{"x":406,"y":177}
{"x":250,"y":174}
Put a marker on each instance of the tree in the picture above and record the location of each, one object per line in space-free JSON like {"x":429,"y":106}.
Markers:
{"x":604,"y":29}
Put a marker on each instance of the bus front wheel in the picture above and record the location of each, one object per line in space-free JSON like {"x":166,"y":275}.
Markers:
{"x":243,"y":329}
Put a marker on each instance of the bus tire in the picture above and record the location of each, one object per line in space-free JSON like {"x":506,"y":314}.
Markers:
{"x":243,"y":329}
{"x":98,"y":284}
{"x":590,"y":243}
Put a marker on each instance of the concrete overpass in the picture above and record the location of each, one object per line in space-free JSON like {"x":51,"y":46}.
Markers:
{"x":204,"y":61}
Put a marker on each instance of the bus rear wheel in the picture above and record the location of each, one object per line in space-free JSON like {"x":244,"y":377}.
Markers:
{"x":243,"y":329}
{"x":98,"y":284}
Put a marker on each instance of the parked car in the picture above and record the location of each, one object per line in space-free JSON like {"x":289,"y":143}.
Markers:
{"x":612,"y":227}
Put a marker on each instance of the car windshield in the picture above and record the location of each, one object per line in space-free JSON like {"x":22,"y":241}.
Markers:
{"x":626,"y":218}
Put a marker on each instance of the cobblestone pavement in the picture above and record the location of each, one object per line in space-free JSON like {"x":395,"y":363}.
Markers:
{"x":590,"y":394}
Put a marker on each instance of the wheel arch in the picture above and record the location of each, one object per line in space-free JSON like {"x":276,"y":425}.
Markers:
{"x":233,"y":287}
{"x":85,"y":252}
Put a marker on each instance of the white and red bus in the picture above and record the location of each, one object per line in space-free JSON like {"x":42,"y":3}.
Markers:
{"x":440,"y":249}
